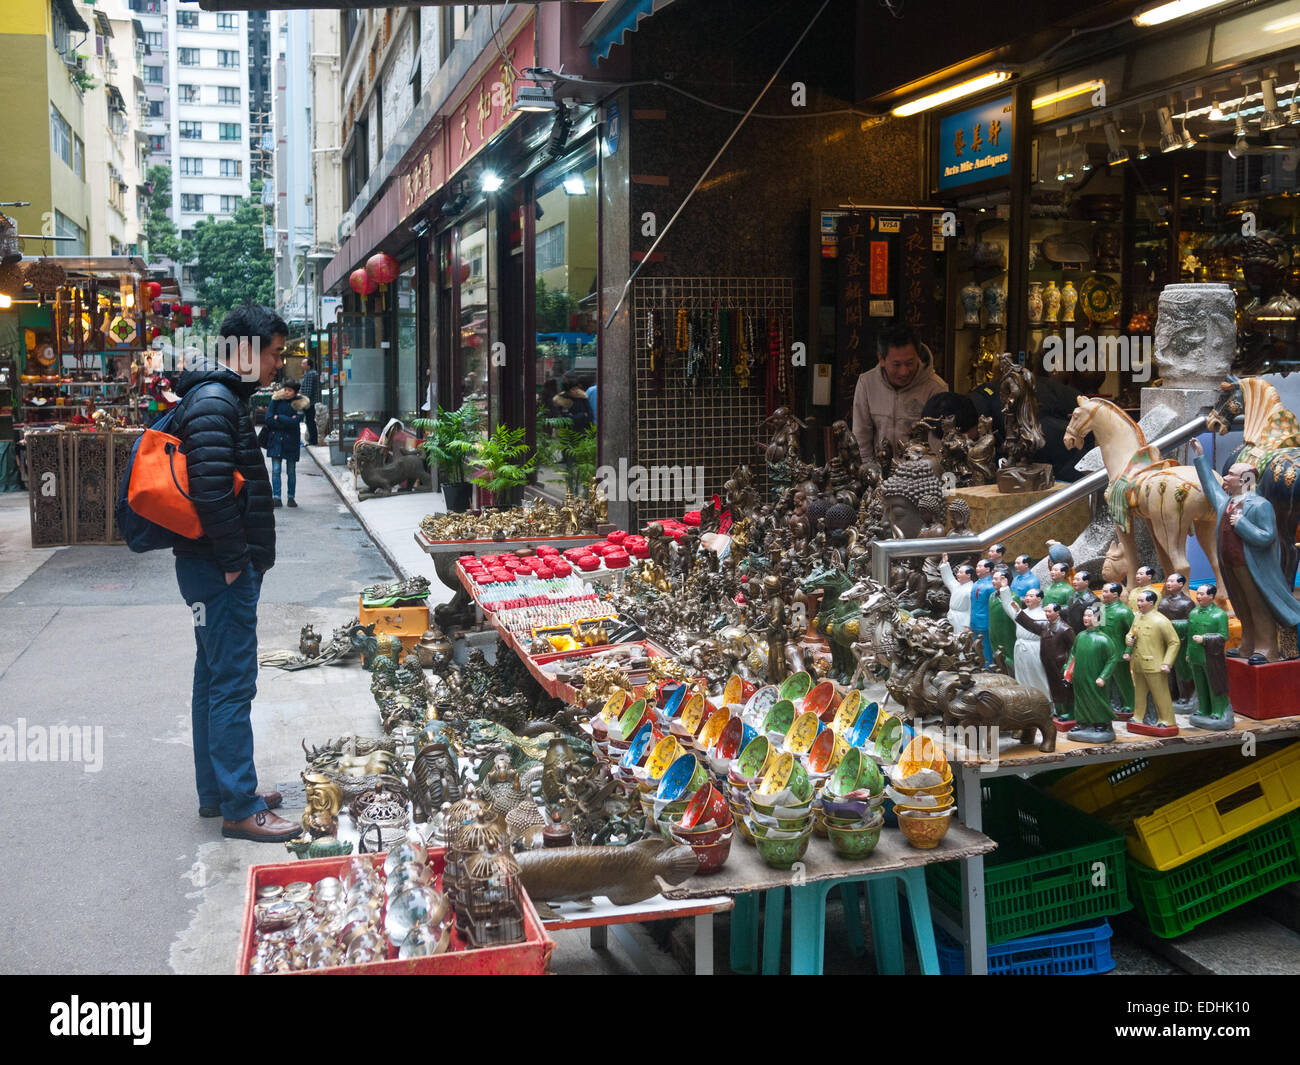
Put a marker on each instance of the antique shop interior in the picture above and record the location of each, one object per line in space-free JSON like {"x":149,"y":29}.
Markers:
{"x":667,"y":644}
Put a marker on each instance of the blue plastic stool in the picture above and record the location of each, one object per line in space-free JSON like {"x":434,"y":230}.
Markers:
{"x":808,"y":925}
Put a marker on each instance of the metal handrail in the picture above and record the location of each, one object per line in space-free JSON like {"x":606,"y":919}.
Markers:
{"x":884,"y":551}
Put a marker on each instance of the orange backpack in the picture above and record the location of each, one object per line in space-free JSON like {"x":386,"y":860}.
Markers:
{"x":159,"y":482}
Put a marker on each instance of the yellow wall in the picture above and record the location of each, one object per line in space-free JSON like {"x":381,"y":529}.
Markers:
{"x":32,"y":76}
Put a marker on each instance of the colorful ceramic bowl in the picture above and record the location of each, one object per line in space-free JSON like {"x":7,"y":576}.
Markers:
{"x":782,"y":824}
{"x":871,"y":779}
{"x":800,"y":783}
{"x":734,"y":691}
{"x":710,"y":857}
{"x":922,"y":753}
{"x":851,"y":843}
{"x":707,"y":804}
{"x":845,"y":778}
{"x":823,"y":755}
{"x":665,"y":753}
{"x":614,"y":707}
{"x":780,"y":717}
{"x":674,"y":701}
{"x":889,"y":739}
{"x":849,"y":809}
{"x":864,"y":726}
{"x":692,"y":715}
{"x":712,"y":729}
{"x":731,"y":740}
{"x":782,"y":853}
{"x":754,"y":758}
{"x":778,"y":775}
{"x":847,"y":712}
{"x":637,"y":749}
{"x":630,"y":721}
{"x":759,"y":704}
{"x":677,"y":779}
{"x":710,"y":834}
{"x":923,"y":832}
{"x":795,"y":686}
{"x":821,"y":701}
{"x":803,"y":731}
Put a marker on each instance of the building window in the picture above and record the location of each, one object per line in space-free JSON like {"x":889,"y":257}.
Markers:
{"x":189,"y":94}
{"x":187,"y":20}
{"x":230,"y":131}
{"x":227,"y":58}
{"x":550,"y":247}
{"x":187,"y":234}
{"x":147,"y":7}
{"x":188,"y":274}
{"x":187,"y":57}
{"x":153,"y":39}
{"x":232,"y":168}
{"x":227,"y":22}
{"x":66,"y":227}
{"x":191,"y":167}
{"x":60,"y":136}
{"x":228,"y":204}
{"x":228,"y":94}
{"x":191,"y":201}
{"x":155,"y":109}
{"x":191,"y":131}
{"x":157,"y":143}
{"x":153,"y":75}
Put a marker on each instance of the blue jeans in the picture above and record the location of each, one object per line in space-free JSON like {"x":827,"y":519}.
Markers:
{"x":293,"y":475}
{"x":225,"y":681}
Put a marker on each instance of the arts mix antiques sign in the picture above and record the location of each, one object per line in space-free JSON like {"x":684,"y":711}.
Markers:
{"x":453,"y":139}
{"x":975,"y":144}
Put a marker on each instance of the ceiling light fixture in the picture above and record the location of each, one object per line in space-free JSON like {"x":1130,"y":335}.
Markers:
{"x":1175,"y":9}
{"x":574,"y":185}
{"x":1047,"y":99}
{"x":1239,"y":131}
{"x":559,"y":135}
{"x":1188,"y":140}
{"x":1272,"y":118}
{"x":1215,"y":114}
{"x":1142,"y":148}
{"x":1117,"y":154}
{"x":1283,"y":25}
{"x":955,"y":92}
{"x":1170,"y":141}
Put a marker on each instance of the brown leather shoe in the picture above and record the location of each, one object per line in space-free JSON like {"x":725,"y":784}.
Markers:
{"x":273,"y":799}
{"x":261,"y":827}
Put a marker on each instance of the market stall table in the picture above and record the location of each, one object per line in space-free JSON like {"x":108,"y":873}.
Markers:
{"x":600,"y":915}
{"x":893,"y":861}
{"x":1026,"y":760}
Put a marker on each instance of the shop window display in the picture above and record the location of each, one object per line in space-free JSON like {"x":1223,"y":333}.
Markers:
{"x":565,"y":262}
{"x":471,"y":354}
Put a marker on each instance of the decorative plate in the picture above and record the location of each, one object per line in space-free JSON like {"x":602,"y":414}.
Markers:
{"x":1100,"y":298}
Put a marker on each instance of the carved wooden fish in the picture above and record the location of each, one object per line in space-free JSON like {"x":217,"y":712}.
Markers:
{"x":622,"y":874}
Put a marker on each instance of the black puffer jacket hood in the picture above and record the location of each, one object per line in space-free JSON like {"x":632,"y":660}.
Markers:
{"x":217,"y":439}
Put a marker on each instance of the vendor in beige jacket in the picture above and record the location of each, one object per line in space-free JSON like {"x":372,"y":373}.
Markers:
{"x":889,"y":398}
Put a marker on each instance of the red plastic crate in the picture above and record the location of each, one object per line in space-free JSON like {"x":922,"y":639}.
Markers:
{"x":531,"y":957}
{"x":1264,"y":692}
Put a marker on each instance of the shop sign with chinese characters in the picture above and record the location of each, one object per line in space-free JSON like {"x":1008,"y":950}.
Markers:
{"x":480,"y":115}
{"x":975,"y":144}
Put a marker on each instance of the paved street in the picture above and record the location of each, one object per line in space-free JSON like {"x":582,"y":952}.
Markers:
{"x":113,"y":871}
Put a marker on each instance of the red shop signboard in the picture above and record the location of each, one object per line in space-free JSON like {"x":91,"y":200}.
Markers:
{"x":479,"y":116}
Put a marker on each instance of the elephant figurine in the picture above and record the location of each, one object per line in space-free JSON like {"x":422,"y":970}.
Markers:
{"x":1011,"y":706}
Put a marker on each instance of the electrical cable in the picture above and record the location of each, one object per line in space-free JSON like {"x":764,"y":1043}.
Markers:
{"x":627,"y":286}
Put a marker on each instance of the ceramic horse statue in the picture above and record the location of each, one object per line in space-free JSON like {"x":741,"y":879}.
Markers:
{"x":1272,"y":445}
{"x":875,"y":643}
{"x":834,"y":618}
{"x":1143,"y":484}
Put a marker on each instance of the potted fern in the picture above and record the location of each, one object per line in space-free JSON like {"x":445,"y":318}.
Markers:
{"x":451,"y":441}
{"x":579,"y":449}
{"x":501,"y":465}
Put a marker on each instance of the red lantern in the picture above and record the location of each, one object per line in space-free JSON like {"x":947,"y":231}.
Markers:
{"x":361,"y":282}
{"x":186,"y":309}
{"x":153,"y":289}
{"x":176,"y":308}
{"x":382,"y":268}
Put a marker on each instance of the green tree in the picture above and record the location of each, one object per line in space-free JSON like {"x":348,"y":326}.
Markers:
{"x":231,"y":265}
{"x":555,"y":309}
{"x":159,"y":229}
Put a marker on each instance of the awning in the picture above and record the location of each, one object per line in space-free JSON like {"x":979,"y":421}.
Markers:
{"x":72,"y":16}
{"x":102,"y":24}
{"x":614,"y":21}
{"x":115,"y":101}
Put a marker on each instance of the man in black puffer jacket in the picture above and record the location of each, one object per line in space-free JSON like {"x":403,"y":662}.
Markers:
{"x":220,"y":574}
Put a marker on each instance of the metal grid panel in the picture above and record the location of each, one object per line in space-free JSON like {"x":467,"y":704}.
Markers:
{"x":714,"y":427}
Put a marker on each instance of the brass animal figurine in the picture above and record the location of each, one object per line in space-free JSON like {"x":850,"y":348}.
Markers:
{"x":622,"y":874}
{"x":309,"y":642}
{"x":1007,"y":706}
{"x":383,"y":475}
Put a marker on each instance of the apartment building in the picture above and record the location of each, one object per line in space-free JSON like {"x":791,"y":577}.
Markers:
{"x":260,"y":141}
{"x":326,"y":155}
{"x":115,"y":138}
{"x":43,"y":71}
{"x":295,"y":284}
{"x":152,"y":16}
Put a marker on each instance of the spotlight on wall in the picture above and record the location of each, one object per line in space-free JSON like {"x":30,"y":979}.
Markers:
{"x":1271,"y":118}
{"x":574,"y":185}
{"x":491,"y":181}
{"x":1117,"y":154}
{"x":559,"y":134}
{"x":1170,"y":141}
{"x":1239,"y":131}
{"x":1216,"y":114}
{"x":538,"y":99}
{"x":1142,"y":148}
{"x":1188,"y":140}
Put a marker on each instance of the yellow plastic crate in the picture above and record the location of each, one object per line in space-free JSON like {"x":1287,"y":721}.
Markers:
{"x":1173,"y":809}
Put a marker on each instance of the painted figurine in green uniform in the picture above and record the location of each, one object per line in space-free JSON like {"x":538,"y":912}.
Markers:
{"x":1207,"y":640}
{"x":1059,"y":589}
{"x":1002,"y":626}
{"x":1094,"y":660}
{"x":1116,"y":620}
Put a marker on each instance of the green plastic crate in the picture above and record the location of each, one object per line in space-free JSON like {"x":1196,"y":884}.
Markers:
{"x":1054,"y":866}
{"x":1174,"y":902}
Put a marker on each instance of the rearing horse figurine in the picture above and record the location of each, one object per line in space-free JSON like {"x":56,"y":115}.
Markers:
{"x":1142,"y":483}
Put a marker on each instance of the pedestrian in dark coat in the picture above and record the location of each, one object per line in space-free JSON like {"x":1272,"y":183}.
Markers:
{"x":310,"y":390}
{"x":220,"y":573}
{"x":284,"y":421}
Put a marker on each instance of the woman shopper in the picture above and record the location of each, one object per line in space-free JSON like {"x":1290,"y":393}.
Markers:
{"x":284,"y":421}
